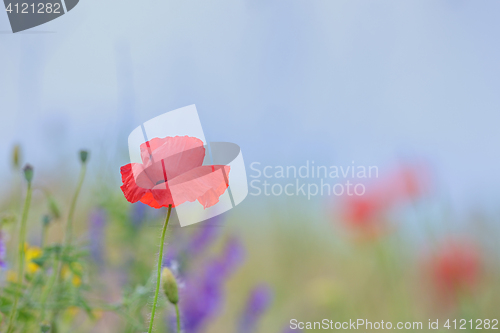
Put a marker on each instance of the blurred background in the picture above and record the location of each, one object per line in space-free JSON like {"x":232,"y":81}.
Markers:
{"x":411,"y":87}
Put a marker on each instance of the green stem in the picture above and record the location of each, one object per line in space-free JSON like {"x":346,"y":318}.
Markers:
{"x":178,"y":318}
{"x":44,"y":235}
{"x":158,"y":276}
{"x":46,"y":292}
{"x":68,"y":235}
{"x":69,"y":223}
{"x":22,"y":237}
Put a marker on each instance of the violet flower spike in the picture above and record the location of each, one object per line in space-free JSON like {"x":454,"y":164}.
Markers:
{"x":204,"y":236}
{"x":258,"y":303}
{"x":97,"y":235}
{"x":3,"y":263}
{"x":203,"y":295}
{"x":138,"y":214}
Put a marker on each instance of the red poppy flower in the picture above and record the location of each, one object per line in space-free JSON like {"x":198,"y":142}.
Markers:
{"x":172,"y":173}
{"x":456,"y":267}
{"x":368,"y":213}
{"x":363,"y":211}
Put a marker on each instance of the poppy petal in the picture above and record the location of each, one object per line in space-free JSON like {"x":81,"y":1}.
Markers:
{"x":169,"y":157}
{"x":149,"y":200}
{"x":135,"y":184}
{"x":162,"y":195}
{"x":205,"y":184}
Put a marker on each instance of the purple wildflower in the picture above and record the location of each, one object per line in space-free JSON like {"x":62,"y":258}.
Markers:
{"x":96,"y":233}
{"x":3,"y":263}
{"x":204,"y":236}
{"x":138,"y":213}
{"x":171,"y":257}
{"x":185,"y":250}
{"x":203,"y":295}
{"x":233,"y":254}
{"x":257,"y":304}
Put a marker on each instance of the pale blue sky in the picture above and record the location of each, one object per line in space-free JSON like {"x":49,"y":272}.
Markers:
{"x":289,"y":81}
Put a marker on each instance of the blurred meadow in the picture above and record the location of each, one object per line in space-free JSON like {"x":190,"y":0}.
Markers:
{"x":254,"y":270}
{"x":411,"y":87}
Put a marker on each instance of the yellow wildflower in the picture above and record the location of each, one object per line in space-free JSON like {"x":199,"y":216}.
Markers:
{"x":71,"y":312}
{"x":68,"y":273}
{"x":32,"y":252}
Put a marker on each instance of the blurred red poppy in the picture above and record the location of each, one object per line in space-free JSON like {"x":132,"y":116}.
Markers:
{"x":363,"y":212}
{"x":172,"y":172}
{"x":455,"y":268}
{"x":367,"y":213}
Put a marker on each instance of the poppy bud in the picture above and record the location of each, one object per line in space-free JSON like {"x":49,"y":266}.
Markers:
{"x":170,"y":286}
{"x":46,"y":220}
{"x":28,"y":173}
{"x":84,"y":155}
{"x":16,"y":156}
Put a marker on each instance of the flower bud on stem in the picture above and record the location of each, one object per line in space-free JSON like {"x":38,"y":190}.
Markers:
{"x":171,"y":290}
{"x":84,"y":155}
{"x":16,"y":157}
{"x":169,"y":285}
{"x":68,"y":237}
{"x":158,"y":275}
{"x":28,"y":174}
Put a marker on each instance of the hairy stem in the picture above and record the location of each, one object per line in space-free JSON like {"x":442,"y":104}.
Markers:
{"x":178,"y":318}
{"x":158,"y":276}
{"x":20,"y":273}
{"x":69,"y":223}
{"x":68,"y":237}
{"x":50,"y":285}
